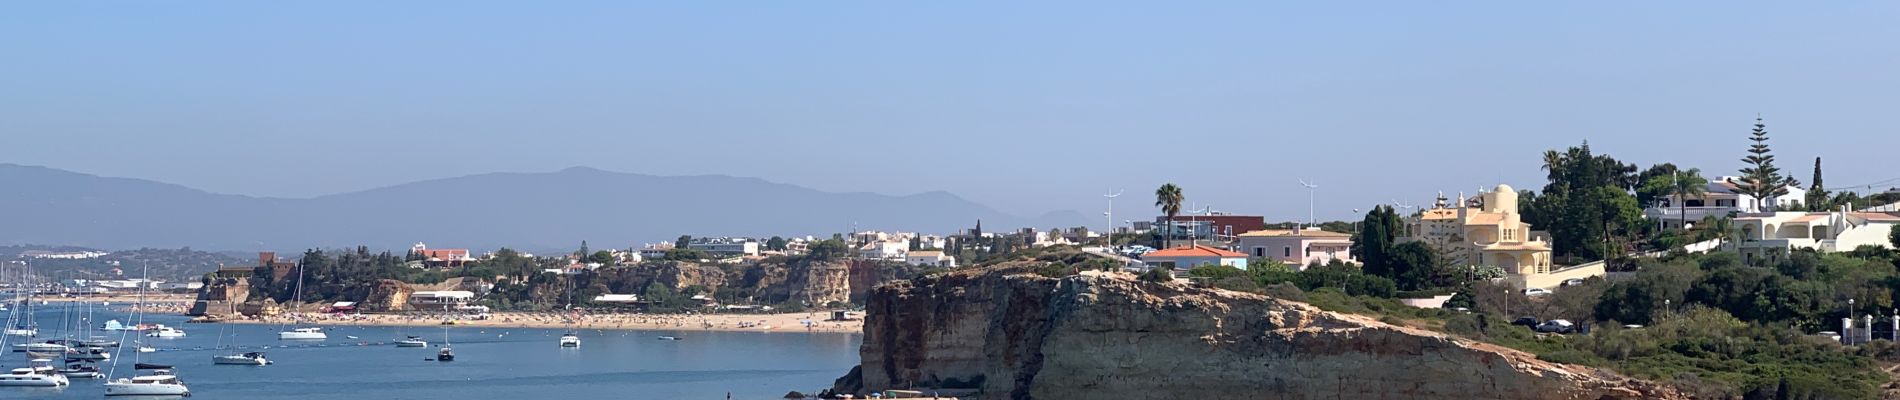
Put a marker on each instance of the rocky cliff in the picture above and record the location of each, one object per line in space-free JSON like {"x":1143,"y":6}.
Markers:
{"x":1015,"y":335}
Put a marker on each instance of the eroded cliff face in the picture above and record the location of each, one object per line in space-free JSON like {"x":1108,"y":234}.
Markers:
{"x":1021,"y":336}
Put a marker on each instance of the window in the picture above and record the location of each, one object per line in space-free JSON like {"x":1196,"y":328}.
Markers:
{"x":1259,"y":252}
{"x":1288,"y":252}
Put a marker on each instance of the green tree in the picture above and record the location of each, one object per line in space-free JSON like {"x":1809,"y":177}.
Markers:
{"x":1893,"y":236}
{"x":1682,"y":185}
{"x":829,"y":250}
{"x":1415,"y":266}
{"x":1169,"y":198}
{"x":776,"y":243}
{"x":602,"y":257}
{"x":1761,"y":178}
{"x":1158,"y":274}
{"x":1377,"y":234}
{"x":1817,"y":193}
{"x":685,"y":254}
{"x":683,"y":241}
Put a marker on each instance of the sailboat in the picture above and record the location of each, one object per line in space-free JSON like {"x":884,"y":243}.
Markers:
{"x":239,"y":358}
{"x":160,"y":382}
{"x":571,"y":339}
{"x":26,"y":327}
{"x":310,"y":333}
{"x":447,"y":353}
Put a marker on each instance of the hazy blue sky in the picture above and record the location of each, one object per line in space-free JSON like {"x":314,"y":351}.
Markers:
{"x":1027,"y":106}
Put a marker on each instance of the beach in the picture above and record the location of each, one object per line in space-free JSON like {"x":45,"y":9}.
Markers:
{"x":781,"y":322}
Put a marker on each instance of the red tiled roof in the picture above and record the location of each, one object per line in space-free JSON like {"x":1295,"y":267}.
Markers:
{"x":444,"y":253}
{"x":1883,"y":217}
{"x":1196,"y":251}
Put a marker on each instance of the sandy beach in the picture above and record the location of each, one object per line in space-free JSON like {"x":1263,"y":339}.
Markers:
{"x":787,"y":322}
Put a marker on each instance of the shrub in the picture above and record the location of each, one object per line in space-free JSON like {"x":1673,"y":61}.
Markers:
{"x":1158,"y":274}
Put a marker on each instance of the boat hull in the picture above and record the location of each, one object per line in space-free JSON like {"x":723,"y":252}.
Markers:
{"x":411,"y":344}
{"x":146,"y":389}
{"x":302,"y":336}
{"x":54,"y":380}
{"x":239,"y":360}
{"x":39,"y":347}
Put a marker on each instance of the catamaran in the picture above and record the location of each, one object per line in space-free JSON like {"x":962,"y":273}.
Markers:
{"x":570,"y":340}
{"x":311,"y":333}
{"x":37,"y":373}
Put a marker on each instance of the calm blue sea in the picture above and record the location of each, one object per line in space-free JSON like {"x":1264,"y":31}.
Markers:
{"x":490,"y":364}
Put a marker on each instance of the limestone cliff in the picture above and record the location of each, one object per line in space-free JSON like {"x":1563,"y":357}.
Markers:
{"x":1015,"y":335}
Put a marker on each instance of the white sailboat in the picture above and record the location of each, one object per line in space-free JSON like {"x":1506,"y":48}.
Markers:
{"x":162,"y":331}
{"x":310,"y":333}
{"x":250,"y":358}
{"x":161,"y":382}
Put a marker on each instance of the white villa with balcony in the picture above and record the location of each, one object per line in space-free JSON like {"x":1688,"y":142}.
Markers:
{"x":1769,"y":236}
{"x":1721,"y":199}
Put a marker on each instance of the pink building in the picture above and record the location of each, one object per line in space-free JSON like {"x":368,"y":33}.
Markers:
{"x":1298,"y":248}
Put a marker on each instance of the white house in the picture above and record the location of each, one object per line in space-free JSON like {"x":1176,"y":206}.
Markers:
{"x":1298,"y":248}
{"x":884,"y":250}
{"x":1822,"y":231}
{"x":1182,"y":258}
{"x":444,"y":300}
{"x":1720,"y":199}
{"x":930,"y":257}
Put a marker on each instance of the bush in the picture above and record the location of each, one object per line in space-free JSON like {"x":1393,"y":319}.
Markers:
{"x":1158,"y":274}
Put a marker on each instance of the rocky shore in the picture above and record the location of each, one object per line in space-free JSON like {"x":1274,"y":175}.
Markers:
{"x":1009,"y":334}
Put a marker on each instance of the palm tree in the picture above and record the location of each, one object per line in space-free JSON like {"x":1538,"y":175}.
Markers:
{"x":1553,"y":162}
{"x":1683,"y":185}
{"x":1169,"y":198}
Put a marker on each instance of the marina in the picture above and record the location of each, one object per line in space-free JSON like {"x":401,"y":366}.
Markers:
{"x":488,"y":363}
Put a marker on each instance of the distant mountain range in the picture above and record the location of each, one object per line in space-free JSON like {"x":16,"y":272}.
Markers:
{"x":555,"y":210}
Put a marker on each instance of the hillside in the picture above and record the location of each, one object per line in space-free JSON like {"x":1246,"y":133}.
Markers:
{"x":524,"y":210}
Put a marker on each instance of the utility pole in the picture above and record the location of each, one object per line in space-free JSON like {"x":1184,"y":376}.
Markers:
{"x":1109,"y":219}
{"x":1310,"y":190}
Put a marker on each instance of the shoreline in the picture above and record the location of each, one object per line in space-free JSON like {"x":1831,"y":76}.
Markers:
{"x":792,"y":322}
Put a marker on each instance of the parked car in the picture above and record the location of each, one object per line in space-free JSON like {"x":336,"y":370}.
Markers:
{"x":1556,"y":326}
{"x":1573,"y":282}
{"x":1525,"y":321}
{"x":1536,"y":292}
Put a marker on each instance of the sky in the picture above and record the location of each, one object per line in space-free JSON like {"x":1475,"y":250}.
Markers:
{"x":1028,"y":107}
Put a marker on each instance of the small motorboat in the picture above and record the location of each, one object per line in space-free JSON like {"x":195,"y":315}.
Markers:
{"x":445,"y":355}
{"x":24,"y":331}
{"x":162,"y":331}
{"x":250,"y":358}
{"x":669,"y":338}
{"x":412,"y":341}
{"x":115,"y":325}
{"x":570,"y":340}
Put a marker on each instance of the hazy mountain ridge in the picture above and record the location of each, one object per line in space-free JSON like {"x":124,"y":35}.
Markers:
{"x":523,"y":210}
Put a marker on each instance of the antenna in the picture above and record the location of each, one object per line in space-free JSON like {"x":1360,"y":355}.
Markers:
{"x":1310,"y":190}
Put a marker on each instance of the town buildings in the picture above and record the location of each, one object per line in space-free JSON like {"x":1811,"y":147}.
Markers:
{"x":930,"y":258}
{"x":1770,"y":236}
{"x":1488,"y":231}
{"x":1298,"y":248}
{"x":724,"y":246}
{"x":441,"y":258}
{"x":1183,"y":258}
{"x":1215,"y":227}
{"x":1720,"y":199}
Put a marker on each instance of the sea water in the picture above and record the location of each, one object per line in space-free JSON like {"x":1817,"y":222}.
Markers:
{"x":490,"y":363}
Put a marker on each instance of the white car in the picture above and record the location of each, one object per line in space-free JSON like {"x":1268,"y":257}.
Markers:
{"x":1536,"y":292}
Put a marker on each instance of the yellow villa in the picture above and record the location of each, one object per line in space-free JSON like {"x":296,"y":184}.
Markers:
{"x":1487,"y":230}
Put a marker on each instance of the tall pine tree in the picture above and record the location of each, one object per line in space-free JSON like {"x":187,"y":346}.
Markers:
{"x":1817,"y":194}
{"x":1761,"y":179}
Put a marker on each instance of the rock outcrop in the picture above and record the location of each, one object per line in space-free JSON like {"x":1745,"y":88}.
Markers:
{"x":388,"y":295}
{"x":1014,"y":335}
